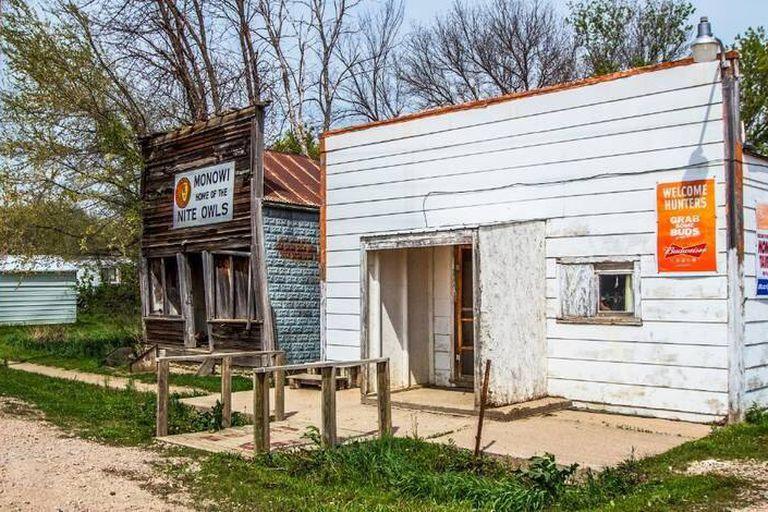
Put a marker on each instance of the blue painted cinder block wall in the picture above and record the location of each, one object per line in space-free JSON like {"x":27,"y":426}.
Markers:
{"x":292,"y":239}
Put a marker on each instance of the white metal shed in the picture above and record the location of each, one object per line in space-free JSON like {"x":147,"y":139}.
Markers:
{"x":36,"y":291}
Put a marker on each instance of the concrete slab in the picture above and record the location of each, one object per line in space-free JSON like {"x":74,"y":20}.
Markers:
{"x":462,"y":402}
{"x":590,"y":439}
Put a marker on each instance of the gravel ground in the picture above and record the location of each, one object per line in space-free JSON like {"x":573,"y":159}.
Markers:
{"x":42,"y":468}
{"x":754,"y":471}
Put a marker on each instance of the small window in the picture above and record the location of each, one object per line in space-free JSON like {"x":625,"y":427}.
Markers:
{"x":231,"y":276}
{"x":600,"y":291}
{"x":164,"y":296}
{"x":110,"y":275}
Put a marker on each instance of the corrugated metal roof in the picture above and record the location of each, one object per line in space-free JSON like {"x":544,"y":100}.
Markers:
{"x":291,"y":179}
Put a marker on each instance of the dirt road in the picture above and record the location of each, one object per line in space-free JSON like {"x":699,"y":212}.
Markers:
{"x":42,"y":468}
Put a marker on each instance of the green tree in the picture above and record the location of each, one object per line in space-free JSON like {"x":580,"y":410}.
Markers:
{"x":620,"y":34}
{"x":753,"y":47}
{"x":289,"y":143}
{"x":67,"y":134}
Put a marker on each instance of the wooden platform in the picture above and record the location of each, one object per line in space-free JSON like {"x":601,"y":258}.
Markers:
{"x":314,"y":380}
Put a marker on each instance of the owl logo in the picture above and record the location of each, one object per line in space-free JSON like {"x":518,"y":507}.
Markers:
{"x":183,"y":192}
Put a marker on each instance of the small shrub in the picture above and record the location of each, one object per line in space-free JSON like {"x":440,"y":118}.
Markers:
{"x":756,"y":415}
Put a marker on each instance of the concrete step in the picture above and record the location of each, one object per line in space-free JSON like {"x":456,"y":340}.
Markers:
{"x":542,"y":406}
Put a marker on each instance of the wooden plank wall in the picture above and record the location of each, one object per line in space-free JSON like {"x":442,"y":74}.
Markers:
{"x":226,"y":139}
{"x":756,"y":310}
{"x":588,"y":160}
{"x":222,"y":143}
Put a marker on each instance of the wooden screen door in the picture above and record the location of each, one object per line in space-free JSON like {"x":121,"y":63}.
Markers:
{"x":464,"y":331}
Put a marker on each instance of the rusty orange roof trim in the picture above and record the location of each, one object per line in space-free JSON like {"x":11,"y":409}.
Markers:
{"x":730,"y":55}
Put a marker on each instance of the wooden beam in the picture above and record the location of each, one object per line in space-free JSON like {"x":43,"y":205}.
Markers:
{"x":481,"y":415}
{"x":319,"y":364}
{"x":260,"y":413}
{"x":210,"y":304}
{"x":187,"y":301}
{"x":258,"y":251}
{"x":226,"y":391}
{"x":279,"y":377}
{"x":163,"y":369}
{"x":328,"y":407}
{"x":144,"y":291}
{"x":384,"y":401}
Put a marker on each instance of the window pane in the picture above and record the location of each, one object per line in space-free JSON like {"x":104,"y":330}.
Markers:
{"x":241,"y":286}
{"x":467,"y":334}
{"x":156,"y":286}
{"x":466,"y":278}
{"x":223,"y":289}
{"x":615,"y":293}
{"x":172,"y":286}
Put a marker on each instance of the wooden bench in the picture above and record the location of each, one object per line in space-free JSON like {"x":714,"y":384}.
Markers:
{"x":299,"y":380}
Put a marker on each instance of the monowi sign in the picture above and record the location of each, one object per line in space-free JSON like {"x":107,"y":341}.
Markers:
{"x":204,"y":196}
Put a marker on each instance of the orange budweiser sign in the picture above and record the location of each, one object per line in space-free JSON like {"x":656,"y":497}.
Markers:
{"x":687,"y":229}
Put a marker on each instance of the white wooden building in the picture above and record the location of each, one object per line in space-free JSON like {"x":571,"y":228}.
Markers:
{"x":523,"y":229}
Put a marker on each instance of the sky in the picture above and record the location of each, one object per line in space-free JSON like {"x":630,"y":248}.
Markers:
{"x":728,"y":17}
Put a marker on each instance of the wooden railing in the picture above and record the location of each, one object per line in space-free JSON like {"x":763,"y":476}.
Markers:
{"x":261,"y":442}
{"x":163,"y":370}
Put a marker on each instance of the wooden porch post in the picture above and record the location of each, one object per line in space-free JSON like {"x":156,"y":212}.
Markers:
{"x":226,"y":392}
{"x":279,"y":377}
{"x":163,"y":368}
{"x":384,"y":403}
{"x":258,"y":252}
{"x":328,"y":406}
{"x":260,"y":413}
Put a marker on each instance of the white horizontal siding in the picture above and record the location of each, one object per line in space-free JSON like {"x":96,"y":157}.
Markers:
{"x":38,"y":298}
{"x":755,"y":309}
{"x":587,"y":160}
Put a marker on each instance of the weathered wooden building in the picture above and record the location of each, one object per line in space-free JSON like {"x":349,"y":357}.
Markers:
{"x":230,"y":233}
{"x":597,"y":241}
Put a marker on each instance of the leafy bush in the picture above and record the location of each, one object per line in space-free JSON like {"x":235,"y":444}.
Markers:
{"x":121,"y":299}
{"x":756,"y":415}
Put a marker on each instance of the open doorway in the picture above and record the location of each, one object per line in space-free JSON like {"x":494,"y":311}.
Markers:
{"x":420,"y":314}
{"x":195,"y":260}
{"x":464,"y":331}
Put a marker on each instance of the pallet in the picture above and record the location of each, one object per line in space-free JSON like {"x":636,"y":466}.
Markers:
{"x":300,"y":380}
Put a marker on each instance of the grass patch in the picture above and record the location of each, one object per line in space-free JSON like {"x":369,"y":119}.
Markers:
{"x":125,"y":417}
{"x":82,"y":345}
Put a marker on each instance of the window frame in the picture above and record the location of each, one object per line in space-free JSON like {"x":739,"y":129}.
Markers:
{"x":163,"y":283}
{"x":216,"y":316}
{"x":629,"y":266}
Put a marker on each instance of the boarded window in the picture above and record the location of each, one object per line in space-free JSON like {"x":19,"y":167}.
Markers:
{"x":231,"y":285}
{"x":164,"y":296}
{"x":576,"y":291}
{"x":598,"y":290}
